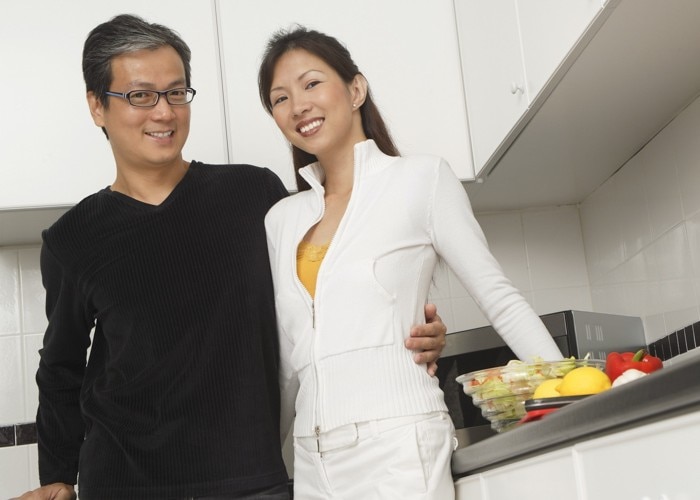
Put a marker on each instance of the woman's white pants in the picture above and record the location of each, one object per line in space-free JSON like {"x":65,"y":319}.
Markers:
{"x":396,"y":458}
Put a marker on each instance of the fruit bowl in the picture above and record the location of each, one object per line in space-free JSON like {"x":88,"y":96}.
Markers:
{"x":500,"y":393}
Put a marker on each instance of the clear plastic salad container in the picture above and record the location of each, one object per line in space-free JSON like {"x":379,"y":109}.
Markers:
{"x":501,"y":392}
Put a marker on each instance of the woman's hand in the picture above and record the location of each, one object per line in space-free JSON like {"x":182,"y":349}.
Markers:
{"x":428,"y":340}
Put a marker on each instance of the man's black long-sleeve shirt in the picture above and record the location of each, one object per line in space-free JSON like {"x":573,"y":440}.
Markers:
{"x":179,"y":396}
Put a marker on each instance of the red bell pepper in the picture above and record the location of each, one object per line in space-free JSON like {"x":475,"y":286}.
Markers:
{"x":619,"y":362}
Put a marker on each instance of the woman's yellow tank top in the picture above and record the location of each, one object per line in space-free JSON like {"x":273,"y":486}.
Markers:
{"x":309,"y":258}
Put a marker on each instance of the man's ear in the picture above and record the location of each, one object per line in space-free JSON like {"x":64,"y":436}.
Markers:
{"x":96,"y":109}
{"x":358,"y":89}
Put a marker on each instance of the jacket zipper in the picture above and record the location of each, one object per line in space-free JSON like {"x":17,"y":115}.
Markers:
{"x":314,"y":338}
{"x":314,"y":347}
{"x":314,"y":358}
{"x":312,"y":354}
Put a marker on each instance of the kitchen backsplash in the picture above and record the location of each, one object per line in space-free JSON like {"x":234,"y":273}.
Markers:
{"x":641,"y":231}
{"x":676,"y":343}
{"x":632,"y":247}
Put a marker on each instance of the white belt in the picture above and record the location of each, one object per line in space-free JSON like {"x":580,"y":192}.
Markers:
{"x":349,"y":434}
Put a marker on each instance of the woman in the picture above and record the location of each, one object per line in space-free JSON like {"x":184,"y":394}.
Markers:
{"x":357,"y":246}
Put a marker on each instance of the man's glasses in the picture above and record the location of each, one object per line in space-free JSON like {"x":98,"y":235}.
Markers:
{"x":149,"y":98}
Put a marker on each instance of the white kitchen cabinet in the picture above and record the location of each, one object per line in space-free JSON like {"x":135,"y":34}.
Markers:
{"x":509,"y":50}
{"x":493,"y":72}
{"x":470,"y":488}
{"x":551,"y":475}
{"x":633,"y":71}
{"x":407,"y":50}
{"x":549,"y":29}
{"x":654,"y":462}
{"x":53,"y":154}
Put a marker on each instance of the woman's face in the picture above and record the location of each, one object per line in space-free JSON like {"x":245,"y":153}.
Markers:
{"x":313,"y":106}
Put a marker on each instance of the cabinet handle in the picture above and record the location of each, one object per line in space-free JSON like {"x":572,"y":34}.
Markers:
{"x":515,"y":88}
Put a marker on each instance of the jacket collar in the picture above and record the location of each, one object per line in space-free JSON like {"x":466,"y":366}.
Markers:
{"x":368,"y":159}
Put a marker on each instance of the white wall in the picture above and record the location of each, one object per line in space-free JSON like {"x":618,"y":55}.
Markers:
{"x":541,"y":251}
{"x":22,"y":322}
{"x":632,"y":247}
{"x":642,"y":232}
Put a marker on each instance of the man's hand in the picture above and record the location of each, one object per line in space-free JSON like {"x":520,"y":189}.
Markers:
{"x":428,"y":340}
{"x":55,"y":491}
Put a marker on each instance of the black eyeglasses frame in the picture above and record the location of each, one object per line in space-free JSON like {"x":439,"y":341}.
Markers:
{"x":190,"y":92}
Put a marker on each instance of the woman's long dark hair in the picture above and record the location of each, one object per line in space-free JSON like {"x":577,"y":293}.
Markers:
{"x":333,"y":53}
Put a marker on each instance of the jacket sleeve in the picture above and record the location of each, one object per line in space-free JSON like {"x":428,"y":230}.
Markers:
{"x":60,"y":425}
{"x":288,"y":380}
{"x":461,"y":243}
{"x":289,"y":387}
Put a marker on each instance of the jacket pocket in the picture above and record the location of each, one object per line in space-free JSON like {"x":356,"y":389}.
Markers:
{"x":295,"y":324}
{"x":354,"y":311}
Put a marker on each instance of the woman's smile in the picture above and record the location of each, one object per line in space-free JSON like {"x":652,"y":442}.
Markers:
{"x":307,"y":128}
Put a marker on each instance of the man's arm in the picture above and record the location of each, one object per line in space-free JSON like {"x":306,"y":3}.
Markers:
{"x":428,"y":340}
{"x":59,"y":421}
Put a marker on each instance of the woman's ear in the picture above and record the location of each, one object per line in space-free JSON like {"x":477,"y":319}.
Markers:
{"x":96,"y":109}
{"x":358,"y":89}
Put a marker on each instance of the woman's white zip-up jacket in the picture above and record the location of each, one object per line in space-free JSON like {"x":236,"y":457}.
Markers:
{"x":343,"y":358}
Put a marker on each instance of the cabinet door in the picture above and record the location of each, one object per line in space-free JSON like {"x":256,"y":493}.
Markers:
{"x":549,"y":476}
{"x":407,"y":50}
{"x":53,"y":154}
{"x":549,"y":29}
{"x":656,"y":461}
{"x":493,"y":73}
{"x":510,"y":49}
{"x":469,"y":488}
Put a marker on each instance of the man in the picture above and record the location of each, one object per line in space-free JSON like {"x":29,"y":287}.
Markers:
{"x":169,"y":265}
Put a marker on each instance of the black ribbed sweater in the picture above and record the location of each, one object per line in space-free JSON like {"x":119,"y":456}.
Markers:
{"x":180,"y":394}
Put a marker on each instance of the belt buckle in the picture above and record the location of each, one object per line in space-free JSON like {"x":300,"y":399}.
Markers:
{"x":336,"y":438}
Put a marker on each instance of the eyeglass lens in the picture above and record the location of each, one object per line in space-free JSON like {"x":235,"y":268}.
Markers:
{"x":150,"y":97}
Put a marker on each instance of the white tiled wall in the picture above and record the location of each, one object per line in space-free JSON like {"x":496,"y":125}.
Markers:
{"x":18,"y":470}
{"x":541,"y":251}
{"x":632,"y":247}
{"x":22,"y":322}
{"x":642,"y":232}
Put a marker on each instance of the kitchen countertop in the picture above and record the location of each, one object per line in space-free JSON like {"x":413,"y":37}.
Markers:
{"x":674,"y":390}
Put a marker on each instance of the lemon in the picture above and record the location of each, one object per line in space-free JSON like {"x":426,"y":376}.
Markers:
{"x":583,"y":381}
{"x":547,"y":389}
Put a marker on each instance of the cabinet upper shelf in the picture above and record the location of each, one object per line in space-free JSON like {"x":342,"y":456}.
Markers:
{"x":632,"y":72}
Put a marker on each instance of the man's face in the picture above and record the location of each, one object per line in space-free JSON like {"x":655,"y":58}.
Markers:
{"x":145,"y":138}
